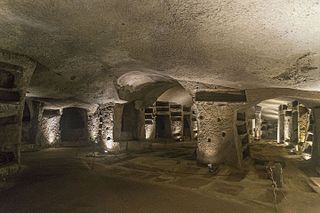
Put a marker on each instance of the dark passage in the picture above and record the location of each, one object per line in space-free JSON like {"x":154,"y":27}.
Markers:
{"x":73,"y":125}
{"x":163,"y":126}
{"x":186,"y":128}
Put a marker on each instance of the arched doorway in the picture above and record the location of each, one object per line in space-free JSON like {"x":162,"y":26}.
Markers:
{"x":285,"y":125}
{"x":171,"y":116}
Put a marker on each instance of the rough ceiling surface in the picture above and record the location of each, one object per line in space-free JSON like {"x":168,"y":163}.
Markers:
{"x":84,"y":46}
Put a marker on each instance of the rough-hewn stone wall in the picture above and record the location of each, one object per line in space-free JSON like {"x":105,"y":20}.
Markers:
{"x":49,"y":131}
{"x":93,"y":126}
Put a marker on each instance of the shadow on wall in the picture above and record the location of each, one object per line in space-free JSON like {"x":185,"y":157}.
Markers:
{"x":163,"y":127}
{"x":26,"y":126}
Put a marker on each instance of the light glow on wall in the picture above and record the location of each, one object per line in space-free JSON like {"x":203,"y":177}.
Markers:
{"x":51,"y":129}
{"x":94,"y":135}
{"x":51,"y":137}
{"x":149,"y":129}
{"x":109,"y":144}
{"x":108,"y":140}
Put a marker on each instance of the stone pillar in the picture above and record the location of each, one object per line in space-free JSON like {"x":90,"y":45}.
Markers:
{"x":295,"y":123}
{"x":218,"y":140}
{"x":316,"y":137}
{"x":194,"y":123}
{"x":106,"y":125}
{"x":15,"y":74}
{"x":258,"y":123}
{"x":281,"y":123}
{"x":217,"y":132}
{"x":304,"y":122}
{"x":287,"y":125}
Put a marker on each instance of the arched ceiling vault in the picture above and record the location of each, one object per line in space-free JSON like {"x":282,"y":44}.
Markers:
{"x":83,"y":46}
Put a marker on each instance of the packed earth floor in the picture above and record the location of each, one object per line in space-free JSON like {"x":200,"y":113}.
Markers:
{"x":158,"y":180}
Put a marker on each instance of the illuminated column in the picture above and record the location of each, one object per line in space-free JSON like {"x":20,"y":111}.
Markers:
{"x":295,"y":123}
{"x":258,"y":123}
{"x":287,"y":125}
{"x":281,"y":123}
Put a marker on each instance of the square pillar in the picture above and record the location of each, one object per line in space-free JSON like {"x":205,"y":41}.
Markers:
{"x":295,"y":123}
{"x":258,"y":123}
{"x":281,"y":123}
{"x":217,"y":134}
{"x":287,"y":125}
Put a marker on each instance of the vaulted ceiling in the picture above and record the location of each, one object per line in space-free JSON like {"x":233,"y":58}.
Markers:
{"x":84,"y":46}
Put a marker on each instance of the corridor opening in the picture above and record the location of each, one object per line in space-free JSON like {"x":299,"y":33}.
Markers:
{"x":73,"y":126}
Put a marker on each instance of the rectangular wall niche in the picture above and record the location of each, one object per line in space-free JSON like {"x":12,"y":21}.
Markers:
{"x":7,"y":79}
{"x":8,"y":120}
{"x":9,"y":75}
{"x":221,"y":96}
{"x":9,"y":96}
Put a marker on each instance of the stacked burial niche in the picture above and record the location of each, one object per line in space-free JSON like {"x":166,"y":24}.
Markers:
{"x":74,"y":126}
{"x":163,"y":124}
{"x":172,"y":117}
{"x":15,"y":74}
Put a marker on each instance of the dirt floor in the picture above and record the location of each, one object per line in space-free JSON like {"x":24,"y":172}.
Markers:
{"x":251,"y":186}
{"x":160,"y":180}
